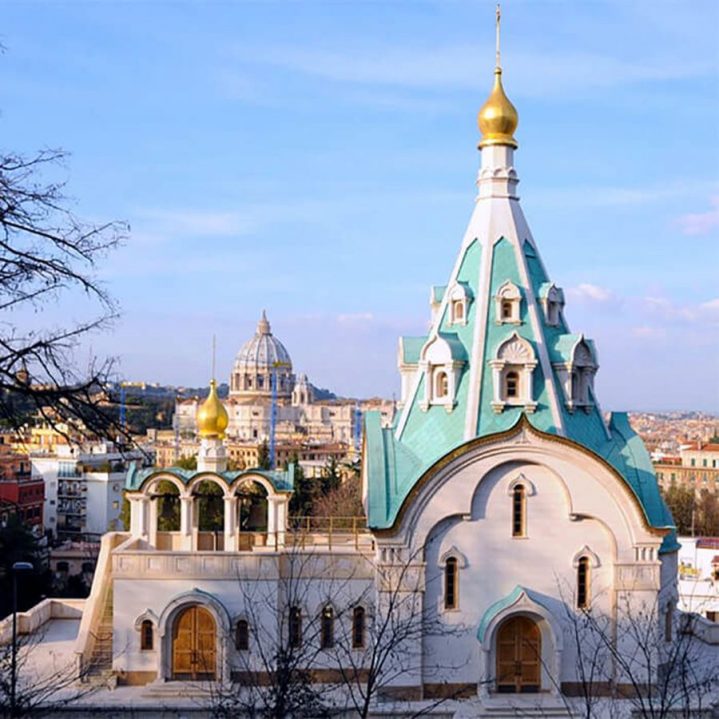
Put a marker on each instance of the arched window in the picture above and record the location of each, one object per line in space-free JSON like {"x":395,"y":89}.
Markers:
{"x":457,"y":310}
{"x":146,"y":635}
{"x":358,"y":619}
{"x":441,"y":385}
{"x":518,"y":511}
{"x":295,"y":627}
{"x":583,"y":583}
{"x":242,"y":635}
{"x":511,"y":384}
{"x":451,"y":583}
{"x":327,"y":628}
{"x":668,"y":622}
{"x":506,"y":310}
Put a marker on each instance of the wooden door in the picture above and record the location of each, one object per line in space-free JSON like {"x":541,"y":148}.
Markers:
{"x":194,"y":645}
{"x":519,"y":650}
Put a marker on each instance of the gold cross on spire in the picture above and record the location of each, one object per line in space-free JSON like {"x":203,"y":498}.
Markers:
{"x":499,"y":18}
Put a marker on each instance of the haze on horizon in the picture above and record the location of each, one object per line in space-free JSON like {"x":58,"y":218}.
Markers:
{"x":318,"y":160}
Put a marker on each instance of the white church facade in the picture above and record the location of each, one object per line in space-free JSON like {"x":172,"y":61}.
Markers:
{"x":503,"y":508}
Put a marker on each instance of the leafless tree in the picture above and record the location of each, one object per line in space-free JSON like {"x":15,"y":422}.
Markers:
{"x":49,"y":258}
{"x":646,"y":660}
{"x":384,"y":643}
{"x":44,"y":683}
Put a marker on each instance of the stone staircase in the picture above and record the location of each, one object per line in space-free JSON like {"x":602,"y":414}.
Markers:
{"x":100,"y":667}
{"x":503,"y":707}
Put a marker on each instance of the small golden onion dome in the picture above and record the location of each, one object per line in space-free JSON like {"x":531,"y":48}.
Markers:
{"x":212,"y":419}
{"x":498,"y":118}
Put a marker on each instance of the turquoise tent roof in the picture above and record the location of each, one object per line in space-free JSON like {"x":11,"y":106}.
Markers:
{"x":424,"y":433}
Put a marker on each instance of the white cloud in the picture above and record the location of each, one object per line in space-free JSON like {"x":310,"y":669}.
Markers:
{"x":592,"y":293}
{"x":701,"y":223}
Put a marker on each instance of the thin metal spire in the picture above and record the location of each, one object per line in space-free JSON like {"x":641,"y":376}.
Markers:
{"x":214,"y":353}
{"x":499,"y":18}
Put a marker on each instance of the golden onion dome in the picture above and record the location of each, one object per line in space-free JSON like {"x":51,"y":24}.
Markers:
{"x":212,"y":418}
{"x":498,"y":118}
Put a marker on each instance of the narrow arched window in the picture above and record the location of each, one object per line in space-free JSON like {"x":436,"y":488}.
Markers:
{"x":506,"y":310}
{"x":295,"y":627}
{"x":327,"y":628}
{"x":146,"y":635}
{"x":457,"y":311}
{"x":576,"y":387}
{"x":358,"y":619}
{"x":242,"y":635}
{"x":451,"y":581}
{"x":511,"y":384}
{"x":668,"y":622}
{"x":583,"y":583}
{"x":518,"y":510}
{"x":441,"y":385}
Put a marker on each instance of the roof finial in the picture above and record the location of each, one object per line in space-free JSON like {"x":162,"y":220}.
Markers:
{"x":214,"y":354}
{"x":499,"y":18}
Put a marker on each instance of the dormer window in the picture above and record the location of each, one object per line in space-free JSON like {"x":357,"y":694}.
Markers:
{"x":551,"y":298}
{"x":512,"y":371}
{"x":441,"y":361}
{"x":459,"y":296}
{"x":577,"y":371}
{"x":509,"y":300}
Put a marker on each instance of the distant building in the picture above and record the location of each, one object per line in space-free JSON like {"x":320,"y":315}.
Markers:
{"x":697,"y":466}
{"x":699,"y":576}
{"x":301,"y":418}
{"x":21,"y":493}
{"x":83,"y":487}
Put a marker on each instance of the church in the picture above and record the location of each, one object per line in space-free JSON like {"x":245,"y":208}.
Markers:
{"x":503,"y":506}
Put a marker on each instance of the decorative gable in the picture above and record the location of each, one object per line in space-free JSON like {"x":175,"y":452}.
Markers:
{"x":551,"y":298}
{"x":441,"y":362}
{"x":576,"y":366}
{"x":512,"y":372}
{"x":459,"y":297}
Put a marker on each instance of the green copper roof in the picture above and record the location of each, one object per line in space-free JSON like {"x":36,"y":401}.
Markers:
{"x":282,"y":481}
{"x":396,"y":458}
{"x":410,"y":347}
{"x":502,"y":604}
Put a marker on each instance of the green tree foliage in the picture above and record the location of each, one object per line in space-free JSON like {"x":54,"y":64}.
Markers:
{"x":331,"y":478}
{"x":707,"y":514}
{"x":210,"y":507}
{"x":187,"y":463}
{"x":263,"y":456}
{"x":19,"y":544}
{"x":303,"y":497}
{"x":680,"y":501}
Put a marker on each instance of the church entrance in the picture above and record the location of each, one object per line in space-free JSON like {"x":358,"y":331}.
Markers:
{"x":519,"y":652}
{"x":194,"y":645}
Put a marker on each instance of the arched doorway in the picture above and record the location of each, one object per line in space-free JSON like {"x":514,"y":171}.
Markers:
{"x":194,"y":644}
{"x":519,"y":654}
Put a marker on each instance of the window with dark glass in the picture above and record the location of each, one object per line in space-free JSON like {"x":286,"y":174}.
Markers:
{"x":518,"y":497}
{"x":242,"y":635}
{"x":327,"y":628}
{"x":512,"y":384}
{"x":583,"y":583}
{"x":295,"y":627}
{"x":146,"y":635}
{"x":450,"y":583}
{"x":506,"y":310}
{"x":358,"y":620}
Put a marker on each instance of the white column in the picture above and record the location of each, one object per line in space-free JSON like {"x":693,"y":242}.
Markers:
{"x":186,"y":522}
{"x":231,"y":524}
{"x":282,"y":505}
{"x":272,"y":538}
{"x":152,"y":521}
{"x":138,"y":516}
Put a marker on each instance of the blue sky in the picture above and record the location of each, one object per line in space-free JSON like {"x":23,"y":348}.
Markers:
{"x":317,"y":159}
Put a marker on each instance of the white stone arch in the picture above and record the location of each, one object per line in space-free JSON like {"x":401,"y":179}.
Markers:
{"x":515,"y":354}
{"x":223,"y":625}
{"x":529,"y":489}
{"x":508,"y":301}
{"x":208,"y":477}
{"x":149,"y":484}
{"x":605,"y":498}
{"x":522,"y":602}
{"x":256,"y":478}
{"x":585,"y":551}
